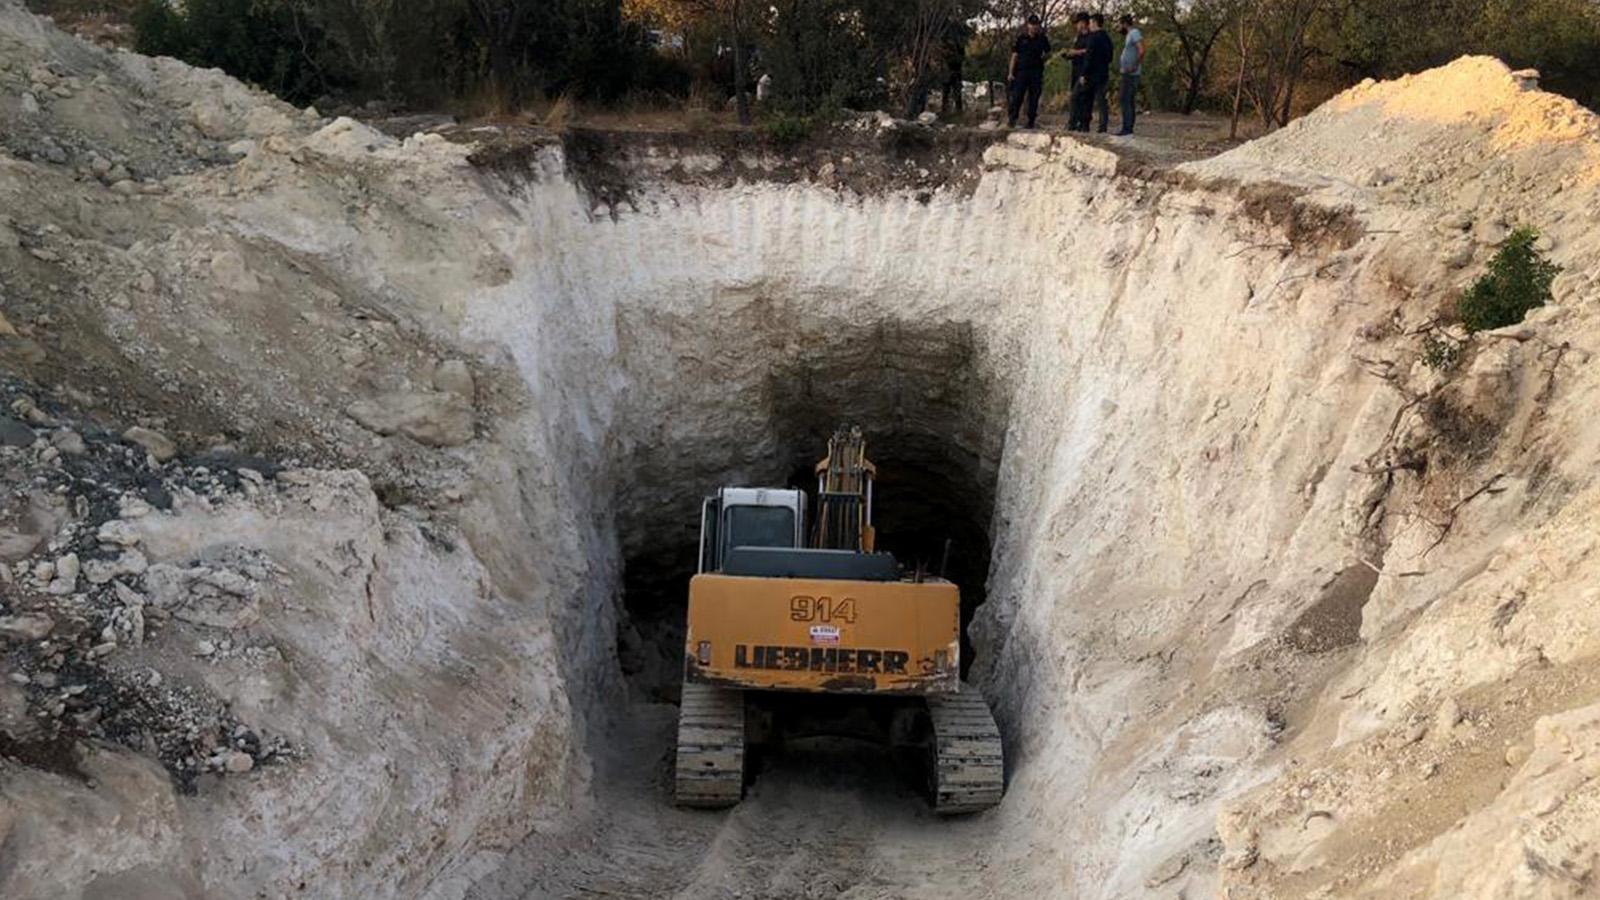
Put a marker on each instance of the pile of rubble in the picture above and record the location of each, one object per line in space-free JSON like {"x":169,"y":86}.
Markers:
{"x":79,"y":588}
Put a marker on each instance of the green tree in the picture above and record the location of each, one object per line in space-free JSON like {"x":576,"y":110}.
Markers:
{"x":1519,"y":279}
{"x":266,"y":43}
{"x":1195,"y":26}
{"x":817,"y":55}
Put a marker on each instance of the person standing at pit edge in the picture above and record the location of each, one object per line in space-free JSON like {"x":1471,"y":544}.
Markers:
{"x":1077,"y":94}
{"x":1131,"y":64}
{"x":1097,"y":71}
{"x":1026,"y":75}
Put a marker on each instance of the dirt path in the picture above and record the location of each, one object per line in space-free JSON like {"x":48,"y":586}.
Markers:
{"x":825,"y":819}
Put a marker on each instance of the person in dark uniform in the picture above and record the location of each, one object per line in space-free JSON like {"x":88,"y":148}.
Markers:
{"x":1077,"y":118}
{"x":1026,"y":74}
{"x":1097,"y":72}
{"x":954,"y":52}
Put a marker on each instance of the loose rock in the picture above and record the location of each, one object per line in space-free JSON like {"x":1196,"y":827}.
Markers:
{"x":434,"y":418}
{"x":15,"y":434}
{"x":159,"y":446}
{"x":26,"y":627}
{"x":68,"y":442}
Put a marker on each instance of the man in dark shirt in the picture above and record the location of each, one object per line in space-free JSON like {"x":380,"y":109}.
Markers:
{"x":953,"y":50}
{"x":1026,"y":75}
{"x":1097,"y":72}
{"x":1088,"y":90}
{"x":1077,"y":117}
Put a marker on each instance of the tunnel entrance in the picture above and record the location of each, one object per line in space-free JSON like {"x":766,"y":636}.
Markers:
{"x":934,"y":425}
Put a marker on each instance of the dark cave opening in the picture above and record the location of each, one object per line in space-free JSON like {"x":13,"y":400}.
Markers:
{"x":934,"y":426}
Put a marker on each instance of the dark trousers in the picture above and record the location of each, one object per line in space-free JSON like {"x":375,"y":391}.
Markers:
{"x":1130,"y":88}
{"x":1025,"y":88}
{"x":952,"y":88}
{"x":1087,"y":96}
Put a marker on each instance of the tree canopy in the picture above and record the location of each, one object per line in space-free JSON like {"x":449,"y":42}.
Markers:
{"x":1274,"y":58}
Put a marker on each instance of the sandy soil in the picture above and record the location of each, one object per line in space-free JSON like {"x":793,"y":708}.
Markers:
{"x":825,"y":818}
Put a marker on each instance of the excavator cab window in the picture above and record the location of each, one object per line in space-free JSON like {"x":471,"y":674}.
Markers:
{"x":757,"y":526}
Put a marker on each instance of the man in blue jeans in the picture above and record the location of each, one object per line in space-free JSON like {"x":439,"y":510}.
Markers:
{"x":1130,"y":64}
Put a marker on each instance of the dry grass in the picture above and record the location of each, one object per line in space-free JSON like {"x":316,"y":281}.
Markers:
{"x":559,"y":113}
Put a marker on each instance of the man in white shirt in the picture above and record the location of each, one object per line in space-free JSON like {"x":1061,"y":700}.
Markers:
{"x":1131,"y":64}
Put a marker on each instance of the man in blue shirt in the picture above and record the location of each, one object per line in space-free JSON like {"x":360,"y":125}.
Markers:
{"x":1131,"y":65}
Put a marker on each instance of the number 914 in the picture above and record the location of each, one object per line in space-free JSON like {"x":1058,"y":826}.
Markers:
{"x":822,"y":609}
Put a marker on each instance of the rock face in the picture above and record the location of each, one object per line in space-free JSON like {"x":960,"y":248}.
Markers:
{"x":1259,"y":578}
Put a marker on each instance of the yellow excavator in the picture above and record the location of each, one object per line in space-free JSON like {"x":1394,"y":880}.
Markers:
{"x":799,"y":626}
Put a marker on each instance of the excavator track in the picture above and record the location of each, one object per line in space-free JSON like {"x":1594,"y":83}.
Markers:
{"x":710,"y":767}
{"x":968,"y":769}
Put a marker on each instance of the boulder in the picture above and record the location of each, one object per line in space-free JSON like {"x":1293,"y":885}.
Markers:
{"x":157,"y":444}
{"x":15,"y":434}
{"x":434,"y":418}
{"x":453,"y":377}
{"x":26,"y":627}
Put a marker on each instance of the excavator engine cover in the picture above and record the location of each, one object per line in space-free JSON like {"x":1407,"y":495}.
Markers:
{"x":821,"y":634}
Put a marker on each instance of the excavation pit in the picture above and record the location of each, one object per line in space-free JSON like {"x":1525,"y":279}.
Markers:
{"x":1165,"y":413}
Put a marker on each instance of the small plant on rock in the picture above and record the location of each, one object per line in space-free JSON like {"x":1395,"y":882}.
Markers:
{"x":787,"y":129}
{"x":1440,"y":353}
{"x":1518,"y":280}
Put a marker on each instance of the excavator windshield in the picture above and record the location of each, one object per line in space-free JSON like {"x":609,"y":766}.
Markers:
{"x":757,"y":526}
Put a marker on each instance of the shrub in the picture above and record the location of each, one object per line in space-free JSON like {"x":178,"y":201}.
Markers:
{"x":264,"y":43}
{"x":786,"y":129}
{"x":158,"y":30}
{"x":1518,"y":280}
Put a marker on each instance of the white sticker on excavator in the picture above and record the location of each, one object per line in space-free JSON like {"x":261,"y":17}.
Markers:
{"x":824,"y":634}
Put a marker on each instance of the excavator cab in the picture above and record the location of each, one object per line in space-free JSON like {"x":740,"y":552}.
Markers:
{"x":749,"y":517}
{"x":783,"y":605}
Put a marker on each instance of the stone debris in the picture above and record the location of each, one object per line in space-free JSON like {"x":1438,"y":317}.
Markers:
{"x":1446,"y":718}
{"x":118,"y":532}
{"x":127,"y":562}
{"x":72,"y":550}
{"x":203,"y":596}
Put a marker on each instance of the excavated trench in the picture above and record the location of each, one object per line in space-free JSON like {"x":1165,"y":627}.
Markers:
{"x":1043,"y":365}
